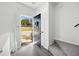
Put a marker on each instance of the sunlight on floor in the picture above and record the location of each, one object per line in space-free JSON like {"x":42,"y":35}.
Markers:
{"x":24,"y":40}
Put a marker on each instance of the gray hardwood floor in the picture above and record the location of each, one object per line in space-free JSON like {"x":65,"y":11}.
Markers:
{"x":32,"y":50}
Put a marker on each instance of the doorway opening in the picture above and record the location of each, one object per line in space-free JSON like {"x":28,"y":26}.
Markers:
{"x":25,"y":30}
{"x":37,"y":29}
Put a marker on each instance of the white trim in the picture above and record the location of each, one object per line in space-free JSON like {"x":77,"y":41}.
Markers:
{"x":67,"y":41}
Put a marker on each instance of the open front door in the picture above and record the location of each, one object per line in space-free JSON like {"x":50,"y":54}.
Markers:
{"x":37,"y":29}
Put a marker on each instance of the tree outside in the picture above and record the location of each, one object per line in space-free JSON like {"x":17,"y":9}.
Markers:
{"x":25,"y":23}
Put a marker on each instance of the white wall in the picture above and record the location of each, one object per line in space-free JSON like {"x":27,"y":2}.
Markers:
{"x":5,"y":25}
{"x":5,"y":19}
{"x":5,"y":48}
{"x":5,"y":44}
{"x":66,"y":17}
{"x":51,"y":23}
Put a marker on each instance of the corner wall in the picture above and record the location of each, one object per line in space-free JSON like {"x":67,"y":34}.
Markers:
{"x":66,"y":17}
{"x":51,"y":23}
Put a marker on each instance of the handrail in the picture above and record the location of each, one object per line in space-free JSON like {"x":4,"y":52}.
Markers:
{"x":76,"y":25}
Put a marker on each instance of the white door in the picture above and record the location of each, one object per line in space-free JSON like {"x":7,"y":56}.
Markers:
{"x":44,"y":29}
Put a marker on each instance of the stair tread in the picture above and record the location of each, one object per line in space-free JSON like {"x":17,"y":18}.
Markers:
{"x":56,"y":50}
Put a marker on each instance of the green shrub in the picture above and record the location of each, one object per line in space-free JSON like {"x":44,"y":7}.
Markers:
{"x":24,"y":22}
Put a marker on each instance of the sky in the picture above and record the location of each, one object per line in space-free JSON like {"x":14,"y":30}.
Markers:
{"x":24,"y":17}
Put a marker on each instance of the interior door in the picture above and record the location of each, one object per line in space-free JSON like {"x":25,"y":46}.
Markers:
{"x":44,"y":29}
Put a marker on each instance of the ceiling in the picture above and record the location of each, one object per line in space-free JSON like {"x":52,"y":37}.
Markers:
{"x":33,"y":5}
